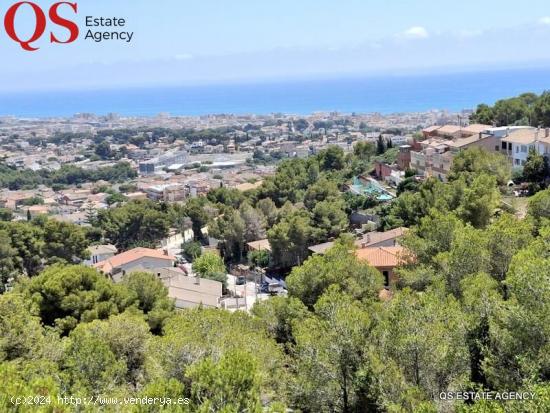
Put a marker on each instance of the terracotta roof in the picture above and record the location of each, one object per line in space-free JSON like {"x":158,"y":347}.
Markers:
{"x":382,"y":257}
{"x":130,"y":256}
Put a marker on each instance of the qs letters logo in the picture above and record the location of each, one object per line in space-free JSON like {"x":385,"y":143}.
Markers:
{"x":40,"y":24}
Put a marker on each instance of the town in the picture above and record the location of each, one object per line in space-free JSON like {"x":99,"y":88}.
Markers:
{"x":72,"y":170}
{"x":304,"y":232}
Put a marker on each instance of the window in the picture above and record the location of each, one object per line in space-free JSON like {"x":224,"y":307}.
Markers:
{"x":504,"y":145}
{"x":517,"y":149}
{"x":523,"y":148}
{"x":509,"y":146}
{"x":516,"y":162}
{"x":497,"y":148}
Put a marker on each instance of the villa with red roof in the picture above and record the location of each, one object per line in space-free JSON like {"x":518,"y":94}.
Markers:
{"x":138,"y":259}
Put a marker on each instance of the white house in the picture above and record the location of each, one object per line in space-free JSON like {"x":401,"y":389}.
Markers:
{"x":138,"y":259}
{"x":518,"y":143}
{"x":99,"y":253}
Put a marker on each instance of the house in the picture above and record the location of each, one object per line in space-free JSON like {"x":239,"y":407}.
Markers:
{"x":37,"y":210}
{"x":435,"y":159}
{"x":371,"y":240}
{"x":454,"y":131}
{"x":166,"y":193}
{"x":99,"y":253}
{"x":430,"y":131}
{"x":261,"y":245}
{"x":385,"y":260}
{"x":190,"y":292}
{"x":138,"y":259}
{"x":517,"y":143}
{"x":404,"y":157}
{"x":75,"y":198}
{"x":449,"y":132}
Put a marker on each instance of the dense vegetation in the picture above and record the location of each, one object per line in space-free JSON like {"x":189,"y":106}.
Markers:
{"x":471,"y":310}
{"x":526,"y":109}
{"x":15,"y":179}
{"x":471,"y":313}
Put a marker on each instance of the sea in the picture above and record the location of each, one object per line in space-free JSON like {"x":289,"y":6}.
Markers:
{"x":366,"y":94}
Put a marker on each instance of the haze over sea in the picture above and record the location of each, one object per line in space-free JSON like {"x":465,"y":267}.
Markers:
{"x":384,"y":94}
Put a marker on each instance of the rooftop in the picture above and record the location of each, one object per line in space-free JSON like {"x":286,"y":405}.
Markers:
{"x":130,"y":256}
{"x":382,"y":257}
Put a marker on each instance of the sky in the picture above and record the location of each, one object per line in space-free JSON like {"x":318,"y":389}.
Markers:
{"x":182,"y":42}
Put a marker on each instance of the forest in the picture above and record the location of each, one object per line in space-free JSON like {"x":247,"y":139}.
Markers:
{"x":471,"y":310}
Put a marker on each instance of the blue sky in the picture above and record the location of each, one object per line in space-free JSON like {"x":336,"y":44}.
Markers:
{"x":215,"y":41}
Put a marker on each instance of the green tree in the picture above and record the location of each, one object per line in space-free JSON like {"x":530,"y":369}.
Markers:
{"x":6,"y":215}
{"x":541,"y":110}
{"x":254,"y":223}
{"x":138,"y":223}
{"x":474,"y":161}
{"x":380,"y":146}
{"x":323,"y":189}
{"x":66,"y":296}
{"x":259,"y":259}
{"x":423,"y":347}
{"x":104,"y":354}
{"x":479,"y":201}
{"x":28,"y":241}
{"x":279,"y":314}
{"x":507,"y":236}
{"x":230,"y":384}
{"x":192,"y":250}
{"x":194,"y":209}
{"x":211,"y":266}
{"x":103,"y":150}
{"x":269,"y":210}
{"x":364,"y":150}
{"x":152,"y":298}
{"x":21,"y":334}
{"x":520,"y":330}
{"x":330,"y":218}
{"x":196,"y":335}
{"x":64,"y":242}
{"x":7,"y":261}
{"x":332,"y":352}
{"x":469,"y":254}
{"x":115,"y":198}
{"x":291,"y":238}
{"x":339,"y":266}
{"x":332,"y":159}
{"x":539,"y":207}
{"x":536,"y":169}
{"x":483,"y":114}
